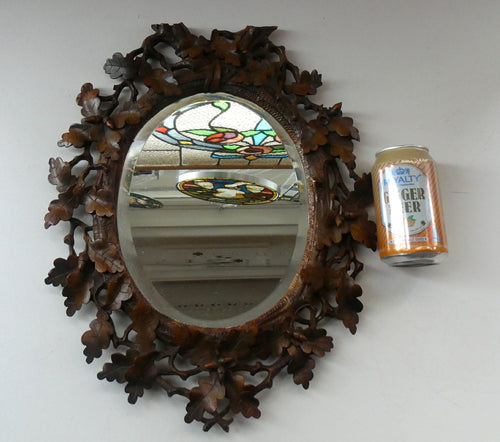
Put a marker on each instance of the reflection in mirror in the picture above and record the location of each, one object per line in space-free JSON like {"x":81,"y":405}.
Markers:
{"x":213,"y":211}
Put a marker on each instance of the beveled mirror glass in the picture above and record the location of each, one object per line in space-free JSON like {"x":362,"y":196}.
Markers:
{"x":214,"y":212}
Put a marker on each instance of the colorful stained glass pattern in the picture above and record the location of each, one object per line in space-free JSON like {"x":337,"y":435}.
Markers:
{"x":143,"y":201}
{"x":292,"y":194}
{"x":227,"y":190}
{"x":227,"y":129}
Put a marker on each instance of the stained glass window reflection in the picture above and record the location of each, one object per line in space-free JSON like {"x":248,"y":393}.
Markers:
{"x":227,"y":189}
{"x":216,"y":133}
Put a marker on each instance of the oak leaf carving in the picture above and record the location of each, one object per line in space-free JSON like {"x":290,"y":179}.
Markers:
{"x":252,"y":38}
{"x":119,"y":290}
{"x":342,"y":147}
{"x":224,"y":350}
{"x":90,"y":102}
{"x":106,"y":256}
{"x":60,"y":174}
{"x":118,"y":367}
{"x":80,"y":135}
{"x":185,"y":44}
{"x":315,"y":341}
{"x":364,"y":231}
{"x":204,"y":397}
{"x":344,"y":126}
{"x":176,"y":34}
{"x":79,"y":282}
{"x":145,"y":321}
{"x":100,"y":202}
{"x":241,"y":396}
{"x":119,"y":66}
{"x":62,"y":269}
{"x":98,"y":337}
{"x":129,"y":112}
{"x":307,"y":84}
{"x":331,"y":229}
{"x":314,"y":135}
{"x":161,"y":81}
{"x":58,"y":211}
{"x":361,"y":197}
{"x":301,"y":366}
{"x":271,"y":343}
{"x":141,"y":375}
{"x":108,"y":143}
{"x":319,"y":277}
{"x":204,"y":354}
{"x":182,"y":335}
{"x":193,"y":47}
{"x":348,"y":304}
{"x":225,"y":49}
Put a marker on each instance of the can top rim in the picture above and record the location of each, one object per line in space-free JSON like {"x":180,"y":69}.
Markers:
{"x":403,"y":146}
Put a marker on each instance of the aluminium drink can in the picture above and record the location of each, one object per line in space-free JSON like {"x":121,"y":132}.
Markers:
{"x":408,"y":211}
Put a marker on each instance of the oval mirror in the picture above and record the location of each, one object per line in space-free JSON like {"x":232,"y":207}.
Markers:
{"x":212,"y":210}
{"x":214,"y":213}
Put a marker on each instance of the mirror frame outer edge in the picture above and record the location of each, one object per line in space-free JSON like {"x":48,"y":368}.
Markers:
{"x":230,"y":365}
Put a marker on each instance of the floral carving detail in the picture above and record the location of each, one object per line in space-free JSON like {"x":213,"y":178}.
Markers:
{"x":229,"y":367}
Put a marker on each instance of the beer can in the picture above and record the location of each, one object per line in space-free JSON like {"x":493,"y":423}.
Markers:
{"x":408,"y":211}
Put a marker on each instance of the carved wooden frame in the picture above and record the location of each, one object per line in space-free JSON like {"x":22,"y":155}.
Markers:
{"x":228,"y":367}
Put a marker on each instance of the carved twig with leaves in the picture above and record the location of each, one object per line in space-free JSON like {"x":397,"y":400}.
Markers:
{"x":230,"y":366}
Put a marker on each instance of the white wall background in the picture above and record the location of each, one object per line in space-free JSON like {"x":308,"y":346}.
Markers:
{"x":425,"y":363}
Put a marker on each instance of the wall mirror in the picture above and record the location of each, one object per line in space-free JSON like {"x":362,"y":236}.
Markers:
{"x":213,"y":214}
{"x":226,"y":221}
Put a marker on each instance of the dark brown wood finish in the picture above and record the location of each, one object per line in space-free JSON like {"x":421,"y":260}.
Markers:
{"x":229,"y":366}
